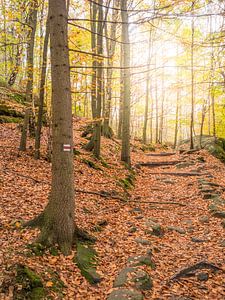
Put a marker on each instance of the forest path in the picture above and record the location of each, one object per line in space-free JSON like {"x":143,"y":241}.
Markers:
{"x":180,"y":236}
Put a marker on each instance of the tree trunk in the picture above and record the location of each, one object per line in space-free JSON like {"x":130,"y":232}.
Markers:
{"x":144,"y":138}
{"x":100,"y":62}
{"x":32,"y":21}
{"x":192,"y":82}
{"x":111,"y":46}
{"x":57,"y":221}
{"x":42,"y":93}
{"x":120,"y":123}
{"x":125,"y":153}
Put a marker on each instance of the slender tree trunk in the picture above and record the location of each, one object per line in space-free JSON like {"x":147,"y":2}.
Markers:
{"x":111,"y":46}
{"x":100,"y":63}
{"x":120,"y":123}
{"x":13,"y":76}
{"x":32,"y":21}
{"x":144,"y":136}
{"x":57,"y":221}
{"x":42,"y":93}
{"x":192,"y":82}
{"x":125,"y":153}
{"x":177,"y":119}
{"x":93,"y":12}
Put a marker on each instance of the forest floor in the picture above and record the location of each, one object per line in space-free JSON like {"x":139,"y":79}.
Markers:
{"x":180,"y":229}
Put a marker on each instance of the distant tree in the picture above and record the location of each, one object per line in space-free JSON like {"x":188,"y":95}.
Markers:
{"x":125,"y":153}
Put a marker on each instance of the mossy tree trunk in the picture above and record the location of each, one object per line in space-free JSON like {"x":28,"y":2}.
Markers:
{"x":57,"y":222}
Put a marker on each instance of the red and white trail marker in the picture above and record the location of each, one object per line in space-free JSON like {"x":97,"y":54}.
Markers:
{"x":67,"y":147}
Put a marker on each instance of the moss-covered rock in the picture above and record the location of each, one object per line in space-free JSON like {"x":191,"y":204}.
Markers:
{"x":216,"y":146}
{"x":31,"y":286}
{"x":86,"y":260}
{"x":91,"y":164}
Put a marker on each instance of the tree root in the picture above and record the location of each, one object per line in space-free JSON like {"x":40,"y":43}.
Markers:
{"x":161,"y":154}
{"x":198,"y":266}
{"x":158,"y":164}
{"x":37,"y":222}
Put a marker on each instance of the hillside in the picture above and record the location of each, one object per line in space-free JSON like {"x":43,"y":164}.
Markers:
{"x":164,"y":218}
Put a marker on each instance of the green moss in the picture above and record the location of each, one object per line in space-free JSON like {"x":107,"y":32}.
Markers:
{"x":129,"y":181}
{"x":36,"y":249}
{"x":76,"y":152}
{"x":104,"y":163}
{"x":19,"y":98}
{"x":149,"y":147}
{"x":31,"y":283}
{"x":37,"y":293}
{"x":7,"y":119}
{"x":91,"y":164}
{"x":86,"y":260}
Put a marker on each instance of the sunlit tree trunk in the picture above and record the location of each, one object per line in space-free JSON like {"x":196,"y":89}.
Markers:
{"x":111,"y":46}
{"x":120,"y":122}
{"x":100,"y":64}
{"x":192,"y":82}
{"x":42,"y":93}
{"x":32,"y":21}
{"x":144,"y":136}
{"x":57,"y":221}
{"x":125,"y":153}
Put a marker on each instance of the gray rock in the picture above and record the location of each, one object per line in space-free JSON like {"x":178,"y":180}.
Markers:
{"x":222,"y":244}
{"x":156,"y":229}
{"x":203,"y":276}
{"x":210,"y":196}
{"x":132,"y":229}
{"x":184,"y":165}
{"x":137,"y":210}
{"x":141,"y":260}
{"x":204,"y":219}
{"x":223,"y":224}
{"x":177,"y":229}
{"x":125,"y":294}
{"x":198,"y":240}
{"x":219,"y":214}
{"x":139,"y":217}
{"x":142,"y":241}
{"x":169,"y":181}
{"x":138,"y":277}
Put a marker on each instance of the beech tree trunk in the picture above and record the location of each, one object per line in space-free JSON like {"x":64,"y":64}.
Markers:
{"x":125,"y":153}
{"x":111,"y":46}
{"x":100,"y":63}
{"x":192,"y":83}
{"x":32,"y":21}
{"x":57,"y":221}
{"x":144,"y":136}
{"x":42,"y":93}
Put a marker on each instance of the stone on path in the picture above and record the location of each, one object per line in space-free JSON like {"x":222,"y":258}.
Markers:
{"x":177,"y":229}
{"x":138,"y":277}
{"x":203,"y":276}
{"x":140,"y":260}
{"x":198,"y":240}
{"x":204,"y":219}
{"x":125,"y":294}
{"x":142,"y":241}
{"x":156,"y":229}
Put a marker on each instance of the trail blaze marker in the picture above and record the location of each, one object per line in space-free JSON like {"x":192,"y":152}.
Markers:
{"x":66,"y":147}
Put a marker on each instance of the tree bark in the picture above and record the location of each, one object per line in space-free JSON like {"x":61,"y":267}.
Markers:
{"x":42,"y":92}
{"x":125,"y":153}
{"x":57,"y":222}
{"x":32,"y":21}
{"x":111,"y":46}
